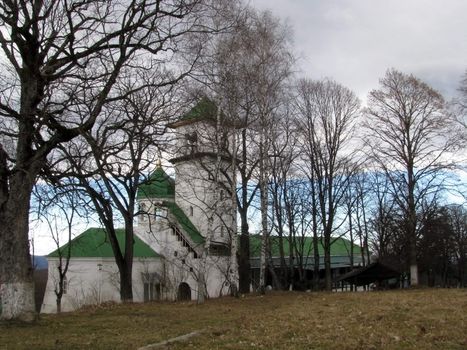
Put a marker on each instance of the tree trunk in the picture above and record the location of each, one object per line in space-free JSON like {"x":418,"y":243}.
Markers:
{"x":327,"y":264}
{"x":413,"y":262}
{"x":264,"y":214}
{"x":126,"y":286}
{"x":461,"y":268}
{"x":126,"y":269}
{"x":244,"y":252}
{"x":16,"y":271}
{"x":201,"y":295}
{"x":276,"y":282}
{"x":123,"y":260}
{"x":314,"y":214}
{"x":59,"y":303}
{"x":351,"y":253}
{"x":285,"y":281}
{"x":284,"y":276}
{"x":244,"y":257}
{"x":315,"y":261}
{"x":412,"y":227}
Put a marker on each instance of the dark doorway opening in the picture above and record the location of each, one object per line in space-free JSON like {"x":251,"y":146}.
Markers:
{"x":184,"y":292}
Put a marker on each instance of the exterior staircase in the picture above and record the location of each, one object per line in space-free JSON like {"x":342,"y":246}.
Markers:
{"x":183,"y":241}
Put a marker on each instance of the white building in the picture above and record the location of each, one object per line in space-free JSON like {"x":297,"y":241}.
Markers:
{"x":184,"y":231}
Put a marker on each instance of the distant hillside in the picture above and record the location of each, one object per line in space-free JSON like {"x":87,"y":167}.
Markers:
{"x":39,"y":262}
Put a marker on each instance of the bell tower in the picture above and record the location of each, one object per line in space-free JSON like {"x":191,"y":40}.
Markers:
{"x":203,"y":174}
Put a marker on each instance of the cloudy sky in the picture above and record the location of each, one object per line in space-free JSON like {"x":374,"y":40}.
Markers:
{"x":356,"y":41}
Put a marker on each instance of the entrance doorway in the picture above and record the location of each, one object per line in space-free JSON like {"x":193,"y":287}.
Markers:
{"x":184,"y":292}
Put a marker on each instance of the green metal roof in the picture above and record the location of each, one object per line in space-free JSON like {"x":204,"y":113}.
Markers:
{"x":204,"y":109}
{"x":340,"y":246}
{"x":94,"y":243}
{"x":159,"y":185}
{"x":185,"y":222}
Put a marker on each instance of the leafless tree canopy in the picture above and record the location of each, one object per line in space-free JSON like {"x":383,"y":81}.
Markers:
{"x":63,"y":62}
{"x":326,"y":115}
{"x":410,"y":138}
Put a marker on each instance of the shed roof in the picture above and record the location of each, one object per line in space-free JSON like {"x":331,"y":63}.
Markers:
{"x":369,"y":274}
{"x":94,"y":243}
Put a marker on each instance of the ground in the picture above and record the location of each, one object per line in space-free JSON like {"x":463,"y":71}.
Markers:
{"x":414,"y":319}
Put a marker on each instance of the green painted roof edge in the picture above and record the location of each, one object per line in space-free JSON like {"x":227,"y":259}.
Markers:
{"x":185,"y":222}
{"x":340,"y":247}
{"x":93,"y":243}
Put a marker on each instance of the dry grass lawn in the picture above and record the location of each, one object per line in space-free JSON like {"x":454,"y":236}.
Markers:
{"x":414,"y":319}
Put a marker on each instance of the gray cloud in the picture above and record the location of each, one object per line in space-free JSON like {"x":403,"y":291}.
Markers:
{"x":356,"y":41}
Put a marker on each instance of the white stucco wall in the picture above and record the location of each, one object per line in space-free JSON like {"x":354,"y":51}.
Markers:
{"x":193,"y":189}
{"x":88,"y":283}
{"x":182,"y":266}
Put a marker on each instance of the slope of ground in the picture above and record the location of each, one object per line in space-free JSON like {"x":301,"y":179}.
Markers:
{"x":414,"y":319}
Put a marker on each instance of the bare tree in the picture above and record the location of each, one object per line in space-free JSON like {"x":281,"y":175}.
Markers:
{"x":286,"y":192}
{"x":409,"y":137}
{"x":62,"y":60}
{"x":263,"y":68}
{"x":244,"y":74}
{"x":112,"y":160}
{"x":60,"y":208}
{"x":327,"y":113}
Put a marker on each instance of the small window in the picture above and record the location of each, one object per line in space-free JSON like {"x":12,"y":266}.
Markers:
{"x":222,"y":231}
{"x":152,"y":291}
{"x":175,"y":253}
{"x":192,"y":142}
{"x":191,"y":211}
{"x":222,"y":194}
{"x":142,"y":212}
{"x":160,"y":213}
{"x":65,"y":285}
{"x":219,"y":250}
